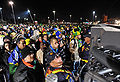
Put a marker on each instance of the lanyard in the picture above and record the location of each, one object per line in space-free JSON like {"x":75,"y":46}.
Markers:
{"x":53,"y":49}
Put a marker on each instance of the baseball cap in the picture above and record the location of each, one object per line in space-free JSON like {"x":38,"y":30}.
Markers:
{"x":87,"y":35}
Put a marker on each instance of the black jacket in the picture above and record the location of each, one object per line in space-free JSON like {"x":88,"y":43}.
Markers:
{"x":4,"y":69}
{"x":26,"y":74}
{"x":5,"y":57}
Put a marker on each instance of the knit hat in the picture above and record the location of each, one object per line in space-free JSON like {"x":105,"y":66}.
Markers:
{"x":26,"y":51}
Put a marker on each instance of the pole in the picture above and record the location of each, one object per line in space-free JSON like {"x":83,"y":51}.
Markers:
{"x":13,"y":14}
{"x":1,"y":14}
{"x":48,"y":20}
{"x":54,"y":15}
{"x":34,"y":16}
{"x":31,"y":18}
{"x":81,"y":20}
{"x":70,"y":18}
{"x":30,"y":15}
{"x":93,"y":16}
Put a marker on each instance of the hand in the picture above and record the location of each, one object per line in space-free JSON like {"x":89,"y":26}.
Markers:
{"x":57,"y":62}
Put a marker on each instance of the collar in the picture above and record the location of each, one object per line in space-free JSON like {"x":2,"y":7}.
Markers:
{"x":17,"y":48}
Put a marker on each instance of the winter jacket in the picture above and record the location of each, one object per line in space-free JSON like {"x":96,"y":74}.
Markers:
{"x":27,"y":74}
{"x":14,"y":60}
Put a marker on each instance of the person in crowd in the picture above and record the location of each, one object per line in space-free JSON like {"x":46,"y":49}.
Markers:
{"x":4,"y":65}
{"x":78,"y":38}
{"x":29,"y":70}
{"x":16,"y":57}
{"x":45,"y":40}
{"x":7,"y":51}
{"x":85,"y":48}
{"x":55,"y":63}
{"x":74,"y":55}
{"x":52,"y":54}
{"x":7,"y":48}
{"x":85,"y":55}
{"x":37,"y":44}
{"x":40,"y":55}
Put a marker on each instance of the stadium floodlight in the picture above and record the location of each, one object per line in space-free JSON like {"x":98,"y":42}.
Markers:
{"x":28,"y":11}
{"x":11,"y":2}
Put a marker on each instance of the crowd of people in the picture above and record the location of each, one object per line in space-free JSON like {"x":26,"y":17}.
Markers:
{"x":43,"y":52}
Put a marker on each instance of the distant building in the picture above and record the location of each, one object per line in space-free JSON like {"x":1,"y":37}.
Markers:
{"x":114,"y":20}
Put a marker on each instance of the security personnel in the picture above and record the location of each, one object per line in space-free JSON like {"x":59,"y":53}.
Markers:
{"x":85,"y":55}
{"x":55,"y":69}
{"x":85,"y":49}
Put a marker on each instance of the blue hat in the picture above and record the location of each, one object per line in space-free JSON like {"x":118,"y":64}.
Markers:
{"x":55,"y":29}
{"x":58,"y":33}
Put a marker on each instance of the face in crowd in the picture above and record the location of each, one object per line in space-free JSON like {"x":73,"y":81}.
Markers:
{"x":41,"y":46}
{"x":7,"y":46}
{"x":54,"y":43}
{"x":45,"y":37}
{"x":21,"y":44}
{"x":40,"y":38}
{"x":87,"y":39}
{"x":29,"y":58}
{"x":57,"y":62}
{"x":78,"y":36}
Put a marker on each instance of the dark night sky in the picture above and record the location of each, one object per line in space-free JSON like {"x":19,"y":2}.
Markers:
{"x":63,"y":8}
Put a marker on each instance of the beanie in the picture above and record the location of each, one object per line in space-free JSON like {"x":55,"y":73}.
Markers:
{"x":26,"y":51}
